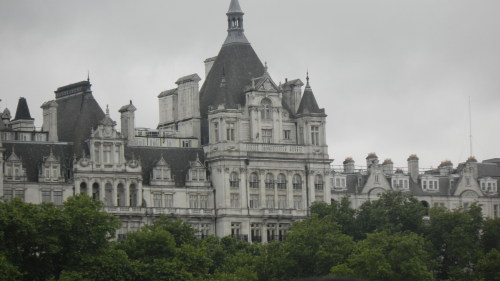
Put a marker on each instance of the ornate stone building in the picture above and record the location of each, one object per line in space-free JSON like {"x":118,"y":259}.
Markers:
{"x":239,"y":156}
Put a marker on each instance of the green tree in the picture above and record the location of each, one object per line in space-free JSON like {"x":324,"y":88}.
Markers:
{"x":490,"y":237}
{"x":314,"y":246}
{"x":43,"y":240}
{"x":392,"y":212}
{"x":180,"y":230}
{"x":488,"y":267}
{"x":388,"y":257}
{"x":455,"y":238}
{"x":339,"y":212}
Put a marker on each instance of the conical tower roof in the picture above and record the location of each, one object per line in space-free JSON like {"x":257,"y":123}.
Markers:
{"x":23,"y":112}
{"x":236,"y":64}
{"x":308,"y":103}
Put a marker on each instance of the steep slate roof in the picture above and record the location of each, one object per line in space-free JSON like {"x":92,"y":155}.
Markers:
{"x":308,"y":102}
{"x":234,"y":7}
{"x":23,"y":112}
{"x":77,"y":113}
{"x":238,"y":63}
{"x":32,"y":155}
{"x":488,"y":170}
{"x":177,"y":158}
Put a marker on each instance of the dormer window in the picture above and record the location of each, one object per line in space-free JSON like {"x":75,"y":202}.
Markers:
{"x":488,"y":185}
{"x":400,"y":182}
{"x":339,"y":182}
{"x":14,"y":170}
{"x":430,"y":184}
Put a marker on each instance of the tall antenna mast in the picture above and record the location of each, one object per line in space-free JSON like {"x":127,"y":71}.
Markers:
{"x":470,"y":128}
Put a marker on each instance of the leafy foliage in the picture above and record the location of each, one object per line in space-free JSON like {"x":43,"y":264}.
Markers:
{"x":385,"y":239}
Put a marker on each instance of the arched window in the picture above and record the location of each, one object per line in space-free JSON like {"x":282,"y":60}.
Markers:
{"x":133,"y":195}
{"x":318,"y":182}
{"x":95,"y":191}
{"x":254,"y":180}
{"x":281,"y":181}
{"x":266,"y":110}
{"x":83,"y":188}
{"x":234,"y":180}
{"x":270,"y":181}
{"x":297,"y":182}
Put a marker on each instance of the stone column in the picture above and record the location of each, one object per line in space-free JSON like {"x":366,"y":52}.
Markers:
{"x":289,"y":189}
{"x":262,"y":187}
{"x":77,"y":186}
{"x":102,"y":191}
{"x":139,"y":194}
{"x":114,"y":195}
{"x":127,"y":194}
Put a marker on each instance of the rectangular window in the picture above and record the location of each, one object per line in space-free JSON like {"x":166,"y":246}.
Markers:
{"x":157,"y":200}
{"x":20,"y":194}
{"x":337,"y":182}
{"x":46,"y":196}
{"x":204,"y":230}
{"x":256,"y":232}
{"x":58,"y":197}
{"x":235,"y":229}
{"x":270,"y":201}
{"x":343,"y":182}
{"x":496,"y":210}
{"x":315,"y":135}
{"x":431,"y":184}
{"x":267,"y":135}
{"x":297,"y":202}
{"x":107,"y":154}
{"x":405,"y":182}
{"x":235,"y":200}
{"x":186,"y":143}
{"x":169,"y":200}
{"x":271,"y":232}
{"x":282,"y":202}
{"x":117,"y":154}
{"x":7,"y":193}
{"x":286,"y":134}
{"x":230,"y":131}
{"x":193,"y":201}
{"x":254,"y":201}
{"x":424,"y":184}
{"x":204,"y":201}
{"x":216,"y":131}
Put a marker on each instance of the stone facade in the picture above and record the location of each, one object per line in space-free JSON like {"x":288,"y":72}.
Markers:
{"x":239,"y":156}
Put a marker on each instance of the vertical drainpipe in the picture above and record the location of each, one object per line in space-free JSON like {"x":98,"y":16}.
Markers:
{"x":307,"y":190}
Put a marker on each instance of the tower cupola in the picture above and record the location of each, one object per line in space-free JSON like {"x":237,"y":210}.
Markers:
{"x":235,"y":24}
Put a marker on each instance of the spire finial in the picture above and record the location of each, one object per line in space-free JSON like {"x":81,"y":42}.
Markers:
{"x":88,"y":75}
{"x":307,"y":77}
{"x":107,"y":109}
{"x":265,"y":65}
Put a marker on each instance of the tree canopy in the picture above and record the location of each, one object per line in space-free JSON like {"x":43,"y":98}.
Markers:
{"x":385,"y":239}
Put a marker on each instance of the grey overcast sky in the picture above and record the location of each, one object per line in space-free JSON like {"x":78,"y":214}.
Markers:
{"x":394,"y":76}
